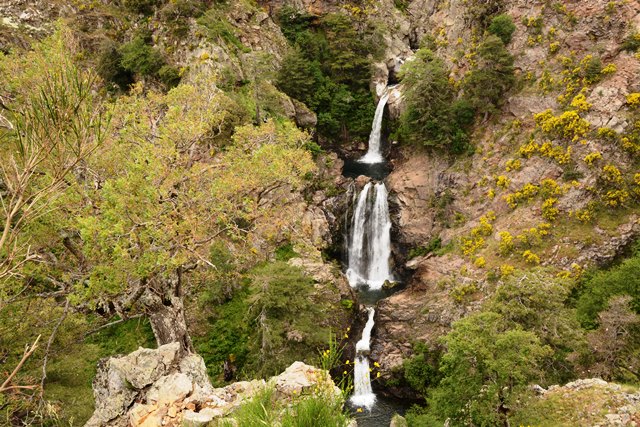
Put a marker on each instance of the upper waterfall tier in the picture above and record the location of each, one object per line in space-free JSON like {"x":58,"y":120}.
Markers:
{"x":374,"y":154}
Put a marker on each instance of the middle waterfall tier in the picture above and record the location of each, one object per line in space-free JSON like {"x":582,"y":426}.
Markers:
{"x":369,"y":248}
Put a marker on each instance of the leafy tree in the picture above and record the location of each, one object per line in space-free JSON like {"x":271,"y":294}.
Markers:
{"x":535,"y":301}
{"x":429,"y":95}
{"x":55,"y":122}
{"x":596,"y":291}
{"x":486,"y":364}
{"x":328,"y":69}
{"x":433,"y":117}
{"x":159,"y":206}
{"x":280,"y":293}
{"x":141,"y":58}
{"x":486,"y":85}
{"x":503,"y":27}
{"x":298,"y":77}
{"x":615,"y":345}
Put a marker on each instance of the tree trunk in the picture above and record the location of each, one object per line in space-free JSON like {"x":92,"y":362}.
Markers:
{"x":169,"y":324}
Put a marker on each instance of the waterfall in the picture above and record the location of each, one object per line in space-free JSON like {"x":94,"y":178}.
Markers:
{"x":370,"y":239}
{"x":362,"y":393}
{"x":373,"y":153}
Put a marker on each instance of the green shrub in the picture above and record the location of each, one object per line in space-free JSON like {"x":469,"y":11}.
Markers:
{"x":592,"y":69}
{"x":109,"y":65}
{"x":316,"y":411}
{"x":219,"y":29}
{"x":433,"y":245}
{"x":169,"y":75}
{"x":595,"y":291}
{"x":486,"y":85}
{"x":486,"y":365}
{"x":285,"y":252}
{"x":503,"y":27}
{"x":422,"y":370}
{"x":631,"y":43}
{"x":176,"y":14}
{"x":482,"y":11}
{"x":141,"y":6}
{"x":141,"y":58}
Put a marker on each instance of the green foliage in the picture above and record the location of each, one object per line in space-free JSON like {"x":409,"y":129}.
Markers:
{"x":422,"y":370}
{"x":433,"y":245}
{"x":482,"y":11}
{"x":279,"y":293}
{"x":535,"y":301}
{"x":597,"y":290}
{"x":486,"y":364}
{"x":218,"y":29}
{"x":486,"y":85}
{"x":109,"y":65}
{"x":306,"y":411}
{"x":169,"y":75}
{"x":401,"y":5}
{"x":299,"y":77}
{"x":260,"y":411}
{"x":138,"y":56}
{"x":328,"y":70}
{"x":176,"y":14}
{"x":432,"y":117}
{"x":503,"y":27}
{"x":285,"y":252}
{"x":631,"y":43}
{"x":141,"y":6}
{"x":592,"y":68}
{"x":316,"y":411}
{"x":226,"y":336}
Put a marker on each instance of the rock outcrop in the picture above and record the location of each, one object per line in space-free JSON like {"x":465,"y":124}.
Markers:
{"x":149,"y":388}
{"x":592,"y":402}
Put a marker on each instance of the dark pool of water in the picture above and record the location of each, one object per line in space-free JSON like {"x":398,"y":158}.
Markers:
{"x":377,"y":171}
{"x":381,"y":413}
{"x":370,"y":297}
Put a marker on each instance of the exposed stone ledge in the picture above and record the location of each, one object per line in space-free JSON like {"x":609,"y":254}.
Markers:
{"x":153,"y":387}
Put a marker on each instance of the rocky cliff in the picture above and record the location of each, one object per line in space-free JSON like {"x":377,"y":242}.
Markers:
{"x":164,"y":387}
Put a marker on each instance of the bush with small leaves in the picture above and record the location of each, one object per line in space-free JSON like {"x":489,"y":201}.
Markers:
{"x":592,"y":157}
{"x":549,"y":210}
{"x":506,"y":244}
{"x":140,"y":57}
{"x":530,"y":257}
{"x":503,"y":27}
{"x":141,"y":6}
{"x":633,"y":100}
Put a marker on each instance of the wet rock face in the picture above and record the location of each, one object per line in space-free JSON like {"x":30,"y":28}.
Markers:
{"x":164,"y":387}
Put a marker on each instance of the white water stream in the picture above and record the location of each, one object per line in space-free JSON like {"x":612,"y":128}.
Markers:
{"x":373,"y":153}
{"x":362,"y":392}
{"x":369,"y":251}
{"x":370,"y":239}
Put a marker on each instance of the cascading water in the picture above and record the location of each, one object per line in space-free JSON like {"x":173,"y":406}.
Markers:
{"x":369,"y":254}
{"x":373,"y":153}
{"x":370,"y":239}
{"x":362,"y":392}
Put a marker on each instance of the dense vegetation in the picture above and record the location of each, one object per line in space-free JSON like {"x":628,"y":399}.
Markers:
{"x":137,"y":207}
{"x":439,"y":115}
{"x":529,"y":332}
{"x":328,"y":69}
